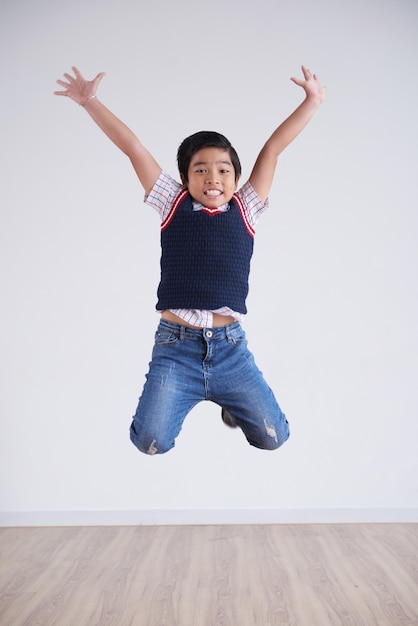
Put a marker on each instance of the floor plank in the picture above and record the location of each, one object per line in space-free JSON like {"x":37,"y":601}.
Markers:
{"x":232,"y":575}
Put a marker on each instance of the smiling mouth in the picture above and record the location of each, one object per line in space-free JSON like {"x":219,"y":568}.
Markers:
{"x":213,"y":193}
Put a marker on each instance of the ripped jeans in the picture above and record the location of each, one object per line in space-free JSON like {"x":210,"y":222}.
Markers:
{"x":190,"y":365}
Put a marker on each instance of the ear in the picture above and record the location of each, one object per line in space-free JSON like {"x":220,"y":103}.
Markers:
{"x":237,"y":181}
{"x":183,"y":180}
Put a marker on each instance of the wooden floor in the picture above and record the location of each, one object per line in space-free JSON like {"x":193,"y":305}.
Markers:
{"x":233,"y":575}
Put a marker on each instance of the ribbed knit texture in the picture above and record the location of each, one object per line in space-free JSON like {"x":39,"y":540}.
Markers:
{"x":205,"y":260}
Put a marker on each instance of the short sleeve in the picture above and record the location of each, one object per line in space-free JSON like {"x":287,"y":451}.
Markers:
{"x":253,"y":204}
{"x":162,"y":195}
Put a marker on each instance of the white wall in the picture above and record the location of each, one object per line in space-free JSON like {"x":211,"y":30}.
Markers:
{"x":333,"y":304}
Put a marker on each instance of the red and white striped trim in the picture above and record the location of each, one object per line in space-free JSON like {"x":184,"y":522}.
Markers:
{"x":215,"y":211}
{"x":247,"y":224}
{"x":209,"y":211}
{"x":174,"y":208}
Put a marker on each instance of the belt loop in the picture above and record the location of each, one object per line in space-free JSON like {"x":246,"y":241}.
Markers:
{"x":182,"y":332}
{"x":229,"y":338}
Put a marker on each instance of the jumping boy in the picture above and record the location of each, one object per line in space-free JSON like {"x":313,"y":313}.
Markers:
{"x":207,"y":232}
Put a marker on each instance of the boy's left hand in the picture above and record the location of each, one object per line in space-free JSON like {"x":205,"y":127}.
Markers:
{"x":313,"y":89}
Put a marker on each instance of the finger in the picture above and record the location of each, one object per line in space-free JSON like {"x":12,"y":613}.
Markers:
{"x":297,"y":81}
{"x":69,"y":77}
{"x":77,"y":73}
{"x":60,"y":93}
{"x":98,"y":78}
{"x":63,"y":84}
{"x":307,"y":74}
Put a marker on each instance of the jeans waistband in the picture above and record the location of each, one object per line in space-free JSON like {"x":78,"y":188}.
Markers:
{"x":217,"y":332}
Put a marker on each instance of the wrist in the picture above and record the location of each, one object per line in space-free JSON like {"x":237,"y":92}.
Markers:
{"x":84,"y":102}
{"x":315,"y":99}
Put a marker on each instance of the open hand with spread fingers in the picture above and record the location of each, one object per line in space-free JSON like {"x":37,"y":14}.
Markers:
{"x":77,"y":88}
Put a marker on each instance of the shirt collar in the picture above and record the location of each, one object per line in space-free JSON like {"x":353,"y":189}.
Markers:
{"x":197,"y":206}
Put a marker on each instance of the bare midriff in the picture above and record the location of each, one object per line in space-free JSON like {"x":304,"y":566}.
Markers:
{"x":218,"y":320}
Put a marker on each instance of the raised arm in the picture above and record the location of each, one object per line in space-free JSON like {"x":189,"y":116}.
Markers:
{"x":263,"y":171}
{"x":84,"y":93}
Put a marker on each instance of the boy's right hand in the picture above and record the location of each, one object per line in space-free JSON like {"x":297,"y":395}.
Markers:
{"x":79,"y":89}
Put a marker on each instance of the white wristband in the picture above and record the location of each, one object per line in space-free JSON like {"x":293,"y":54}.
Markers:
{"x":82,"y":104}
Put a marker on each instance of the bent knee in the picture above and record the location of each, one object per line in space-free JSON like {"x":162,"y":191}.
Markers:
{"x":151,"y":448}
{"x":149,"y":445}
{"x":272,"y":437}
{"x":274,"y":444}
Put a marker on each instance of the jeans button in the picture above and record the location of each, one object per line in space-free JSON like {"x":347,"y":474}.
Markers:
{"x":209,"y":334}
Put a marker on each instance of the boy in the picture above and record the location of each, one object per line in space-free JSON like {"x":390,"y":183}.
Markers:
{"x":207,"y":231}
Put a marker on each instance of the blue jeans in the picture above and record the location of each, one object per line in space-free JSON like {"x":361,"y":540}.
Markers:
{"x":190,"y":365}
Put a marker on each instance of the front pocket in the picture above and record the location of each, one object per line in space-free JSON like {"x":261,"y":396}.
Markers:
{"x":165,"y":337}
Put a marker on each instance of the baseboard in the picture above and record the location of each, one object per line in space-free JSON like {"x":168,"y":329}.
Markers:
{"x":203,"y":516}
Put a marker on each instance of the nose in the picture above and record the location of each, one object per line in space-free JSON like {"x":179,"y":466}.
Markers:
{"x":211,"y":176}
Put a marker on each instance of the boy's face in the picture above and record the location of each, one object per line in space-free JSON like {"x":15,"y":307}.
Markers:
{"x":212,"y":179}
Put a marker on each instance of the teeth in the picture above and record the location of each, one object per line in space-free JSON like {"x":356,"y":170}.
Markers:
{"x":212,"y":192}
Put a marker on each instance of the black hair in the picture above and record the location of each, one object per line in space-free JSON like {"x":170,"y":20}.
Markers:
{"x":200,"y":140}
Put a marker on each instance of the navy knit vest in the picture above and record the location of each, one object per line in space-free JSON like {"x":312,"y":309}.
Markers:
{"x":206,"y":254}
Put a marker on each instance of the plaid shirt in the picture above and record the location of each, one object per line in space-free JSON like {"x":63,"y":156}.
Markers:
{"x":161,"y":199}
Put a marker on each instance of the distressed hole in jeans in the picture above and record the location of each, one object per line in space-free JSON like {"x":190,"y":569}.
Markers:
{"x":271,"y":431}
{"x":152,"y":449}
